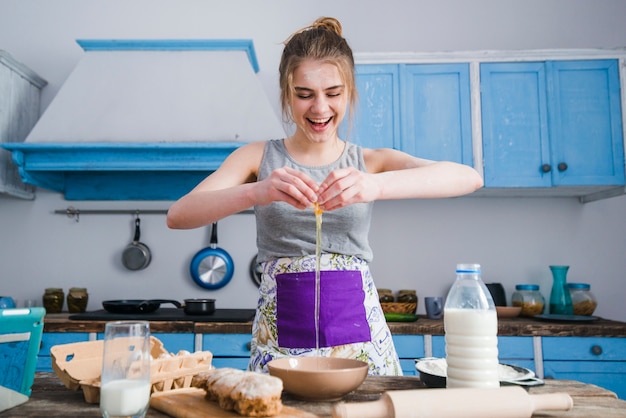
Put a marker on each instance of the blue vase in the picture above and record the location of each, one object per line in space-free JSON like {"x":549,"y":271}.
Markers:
{"x":560,"y":299}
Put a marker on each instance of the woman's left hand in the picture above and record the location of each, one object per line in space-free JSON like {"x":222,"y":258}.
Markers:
{"x":346,"y":186}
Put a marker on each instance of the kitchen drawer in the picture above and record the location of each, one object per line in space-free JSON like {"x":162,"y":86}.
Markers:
{"x":49,"y":340}
{"x":176,"y":342}
{"x":610,"y":375}
{"x":227,"y":345}
{"x":584,"y":348}
{"x":409,"y":347}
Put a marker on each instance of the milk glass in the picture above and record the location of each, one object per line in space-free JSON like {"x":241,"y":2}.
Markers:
{"x":125,"y":382}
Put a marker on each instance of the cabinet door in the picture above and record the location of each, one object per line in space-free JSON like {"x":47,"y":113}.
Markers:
{"x":375,"y":121}
{"x":514,"y":124}
{"x":585,"y":122}
{"x":595,"y":360}
{"x":409,"y":348}
{"x":229,"y":350}
{"x":436,"y":112}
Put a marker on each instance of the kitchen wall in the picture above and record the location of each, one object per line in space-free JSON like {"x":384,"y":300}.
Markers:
{"x":417,"y":243}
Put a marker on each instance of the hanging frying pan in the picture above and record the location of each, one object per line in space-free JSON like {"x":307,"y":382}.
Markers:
{"x":136,"y":255}
{"x":212,"y":267}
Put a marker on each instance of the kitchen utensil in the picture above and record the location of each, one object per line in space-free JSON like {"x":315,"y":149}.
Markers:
{"x":434,"y":307}
{"x":136,"y":255}
{"x":255,"y":271}
{"x":125,"y":381}
{"x":508,"y":402}
{"x":199,"y":306}
{"x":136,"y":305}
{"x":497,"y":293}
{"x":508,"y":311}
{"x":319,"y":378}
{"x":192,"y":403}
{"x":212,"y":267}
{"x":133,"y":306}
{"x":433,"y":373}
{"x":7,"y":302}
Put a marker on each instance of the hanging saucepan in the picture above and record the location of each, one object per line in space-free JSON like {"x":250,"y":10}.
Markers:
{"x":137,"y":306}
{"x":136,"y":255}
{"x":255,"y":271}
{"x":212,"y":267}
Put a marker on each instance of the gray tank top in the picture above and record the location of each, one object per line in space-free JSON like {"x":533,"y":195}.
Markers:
{"x":285,"y":231}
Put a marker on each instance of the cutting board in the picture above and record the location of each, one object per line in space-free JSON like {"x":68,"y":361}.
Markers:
{"x":191,"y":403}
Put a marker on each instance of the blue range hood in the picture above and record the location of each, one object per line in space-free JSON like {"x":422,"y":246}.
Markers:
{"x":146,"y":119}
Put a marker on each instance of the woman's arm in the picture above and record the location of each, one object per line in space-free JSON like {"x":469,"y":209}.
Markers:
{"x":233,"y":188}
{"x":394,"y":174}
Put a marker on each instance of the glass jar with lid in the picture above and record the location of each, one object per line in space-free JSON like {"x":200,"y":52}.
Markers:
{"x":583,"y":301}
{"x":529,"y":298}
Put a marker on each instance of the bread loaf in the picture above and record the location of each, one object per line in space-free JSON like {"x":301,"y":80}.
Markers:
{"x":248,"y":393}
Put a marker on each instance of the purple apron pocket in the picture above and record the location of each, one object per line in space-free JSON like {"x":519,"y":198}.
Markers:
{"x":342,"y":317}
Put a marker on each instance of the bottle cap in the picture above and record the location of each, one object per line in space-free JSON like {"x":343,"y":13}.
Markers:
{"x":527,"y":287}
{"x":468,"y":268}
{"x":583,"y":286}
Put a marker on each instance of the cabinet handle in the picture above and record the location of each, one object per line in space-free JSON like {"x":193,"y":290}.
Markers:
{"x":249,"y":345}
{"x":596,"y":349}
{"x":546,"y":168}
{"x":562,"y":166}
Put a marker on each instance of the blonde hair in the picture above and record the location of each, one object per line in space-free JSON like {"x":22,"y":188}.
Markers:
{"x":321,"y":41}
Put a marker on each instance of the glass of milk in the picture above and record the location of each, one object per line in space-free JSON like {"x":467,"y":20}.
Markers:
{"x":125,"y":381}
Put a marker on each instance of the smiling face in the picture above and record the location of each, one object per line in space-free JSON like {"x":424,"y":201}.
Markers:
{"x":318,"y":101}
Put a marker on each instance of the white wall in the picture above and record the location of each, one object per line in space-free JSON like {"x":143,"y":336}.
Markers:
{"x":416,"y":243}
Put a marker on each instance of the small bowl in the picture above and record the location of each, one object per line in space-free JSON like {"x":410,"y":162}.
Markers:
{"x":319,"y":378}
{"x":508,"y":311}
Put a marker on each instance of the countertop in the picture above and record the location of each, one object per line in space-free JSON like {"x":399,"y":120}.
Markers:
{"x":51,"y":399}
{"x":519,"y":326}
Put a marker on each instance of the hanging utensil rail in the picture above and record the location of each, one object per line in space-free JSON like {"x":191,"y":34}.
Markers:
{"x":72,"y":212}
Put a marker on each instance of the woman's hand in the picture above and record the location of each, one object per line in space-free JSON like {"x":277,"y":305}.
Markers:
{"x":287,"y":185}
{"x":346,"y":186}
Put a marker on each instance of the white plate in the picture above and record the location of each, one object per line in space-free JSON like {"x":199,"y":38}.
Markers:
{"x":509,"y":374}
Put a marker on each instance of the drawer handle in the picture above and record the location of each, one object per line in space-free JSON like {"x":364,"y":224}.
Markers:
{"x":596,"y":349}
{"x":249,"y":345}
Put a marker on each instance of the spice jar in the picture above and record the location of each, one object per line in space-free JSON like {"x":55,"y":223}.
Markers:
{"x":407,"y":296}
{"x":529,"y":298}
{"x":53,"y":300}
{"x":583,"y":301}
{"x":77,"y":299}
{"x":385,"y":295}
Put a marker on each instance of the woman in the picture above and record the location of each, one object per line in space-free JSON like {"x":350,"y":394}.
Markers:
{"x":284,"y":178}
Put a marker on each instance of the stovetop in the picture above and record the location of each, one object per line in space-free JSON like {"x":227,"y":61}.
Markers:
{"x":170,"y":314}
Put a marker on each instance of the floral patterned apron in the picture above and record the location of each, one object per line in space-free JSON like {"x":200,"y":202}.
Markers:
{"x":351,"y":321}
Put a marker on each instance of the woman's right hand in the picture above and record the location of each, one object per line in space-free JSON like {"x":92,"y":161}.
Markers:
{"x":287,"y":185}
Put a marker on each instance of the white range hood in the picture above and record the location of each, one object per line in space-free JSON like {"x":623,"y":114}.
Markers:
{"x":147,"y":119}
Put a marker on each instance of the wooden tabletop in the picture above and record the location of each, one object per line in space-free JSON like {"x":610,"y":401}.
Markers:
{"x":519,"y":326}
{"x":50,"y":398}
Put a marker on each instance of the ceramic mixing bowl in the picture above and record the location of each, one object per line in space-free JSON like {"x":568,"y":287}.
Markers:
{"x":319,"y":378}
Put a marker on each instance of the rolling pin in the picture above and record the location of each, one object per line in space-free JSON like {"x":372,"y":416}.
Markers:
{"x":504,"y":402}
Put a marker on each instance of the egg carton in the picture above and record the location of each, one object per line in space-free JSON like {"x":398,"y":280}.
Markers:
{"x":79,"y":366}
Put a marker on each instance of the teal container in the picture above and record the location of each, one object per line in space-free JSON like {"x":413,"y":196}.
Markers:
{"x":560,"y":299}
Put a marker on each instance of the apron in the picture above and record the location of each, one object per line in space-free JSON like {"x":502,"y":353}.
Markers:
{"x":351,"y":321}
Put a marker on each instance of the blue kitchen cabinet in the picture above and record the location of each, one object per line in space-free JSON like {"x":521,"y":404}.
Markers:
{"x":597,"y":360}
{"x":49,"y":340}
{"x":436,"y":112}
{"x":422,"y":109}
{"x":552,"y":123}
{"x":375,"y":123}
{"x":229,"y":350}
{"x":409,"y":348}
{"x":175,"y":342}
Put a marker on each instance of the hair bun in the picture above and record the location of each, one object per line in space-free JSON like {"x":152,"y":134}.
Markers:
{"x":329,"y":23}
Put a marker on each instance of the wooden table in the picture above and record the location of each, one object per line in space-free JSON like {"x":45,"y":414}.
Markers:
{"x":51,"y":399}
